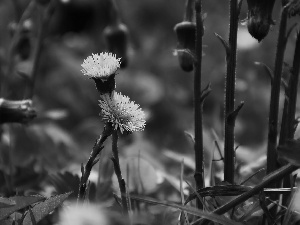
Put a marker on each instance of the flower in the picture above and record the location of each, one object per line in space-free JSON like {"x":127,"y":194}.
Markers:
{"x":100,"y":66}
{"x":122,"y":113}
{"x":82,"y":214}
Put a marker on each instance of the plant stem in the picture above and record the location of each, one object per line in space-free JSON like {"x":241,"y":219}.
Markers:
{"x":293,"y":88}
{"x":91,"y":162}
{"x":199,"y":170}
{"x":291,"y":108}
{"x":118,"y":172}
{"x":275,"y":92}
{"x":229,"y":153}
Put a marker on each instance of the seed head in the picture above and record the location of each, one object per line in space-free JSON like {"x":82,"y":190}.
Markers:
{"x":122,"y":113}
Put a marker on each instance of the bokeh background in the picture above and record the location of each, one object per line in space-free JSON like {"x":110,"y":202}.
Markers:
{"x":68,"y":122}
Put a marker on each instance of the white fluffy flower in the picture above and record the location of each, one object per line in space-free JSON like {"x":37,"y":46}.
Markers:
{"x":100,"y":65}
{"x":122,"y":113}
{"x":82,"y":214}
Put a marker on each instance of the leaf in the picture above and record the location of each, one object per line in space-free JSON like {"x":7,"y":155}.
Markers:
{"x":290,"y":152}
{"x":6,"y":202}
{"x":190,"y":210}
{"x":42,"y":209}
{"x":21,"y":202}
{"x":221,"y":190}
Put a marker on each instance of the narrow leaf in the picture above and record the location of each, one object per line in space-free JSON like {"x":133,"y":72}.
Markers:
{"x":221,"y":190}
{"x":225,"y":44}
{"x":190,"y":210}
{"x":21,"y":202}
{"x":267,"y":69}
{"x":42,"y":209}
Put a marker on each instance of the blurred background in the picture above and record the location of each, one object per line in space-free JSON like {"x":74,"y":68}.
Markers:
{"x":68,"y":122}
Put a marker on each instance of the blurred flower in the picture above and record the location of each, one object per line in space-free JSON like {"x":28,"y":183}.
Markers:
{"x":293,"y":8}
{"x":116,"y":37}
{"x":100,"y":66}
{"x":81,"y":214}
{"x":260,"y":17}
{"x":186,"y":37}
{"x":122,"y":113}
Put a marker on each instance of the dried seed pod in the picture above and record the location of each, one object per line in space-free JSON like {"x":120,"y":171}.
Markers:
{"x":116,"y":37}
{"x":186,"y":37}
{"x":260,"y":17}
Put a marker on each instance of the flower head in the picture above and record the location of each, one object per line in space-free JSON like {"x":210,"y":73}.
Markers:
{"x":122,"y":113}
{"x":100,"y":65}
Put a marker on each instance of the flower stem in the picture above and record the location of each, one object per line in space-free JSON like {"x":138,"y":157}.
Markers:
{"x":199,"y":171}
{"x":229,"y":153}
{"x":293,"y":88}
{"x":118,"y":172}
{"x":275,"y":92}
{"x":91,"y":162}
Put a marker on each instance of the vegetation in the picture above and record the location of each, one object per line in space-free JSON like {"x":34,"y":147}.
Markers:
{"x":178,"y":150}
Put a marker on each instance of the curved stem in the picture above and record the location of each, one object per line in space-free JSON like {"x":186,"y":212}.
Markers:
{"x":86,"y":171}
{"x":118,"y":172}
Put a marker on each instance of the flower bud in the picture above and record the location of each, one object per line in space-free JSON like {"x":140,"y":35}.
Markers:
{"x":186,"y":37}
{"x":260,"y":17}
{"x":116,"y":37}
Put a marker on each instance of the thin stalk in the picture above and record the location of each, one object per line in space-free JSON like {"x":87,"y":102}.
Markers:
{"x":291,"y":106}
{"x":275,"y":93}
{"x":118,"y":172}
{"x":199,"y":169}
{"x":293,"y":89}
{"x":86,"y":170}
{"x":229,"y":153}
